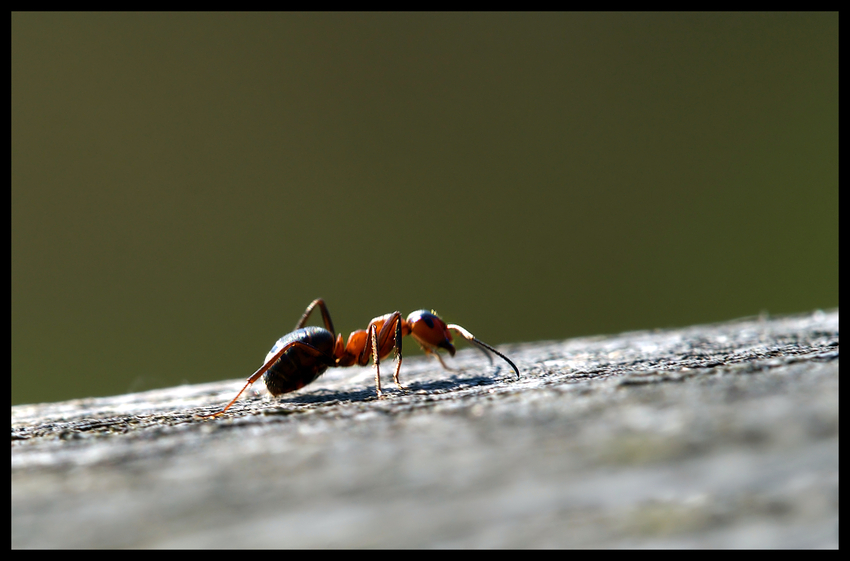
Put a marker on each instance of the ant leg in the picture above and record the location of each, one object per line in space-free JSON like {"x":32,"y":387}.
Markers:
{"x":392,"y":326}
{"x":326,"y":316}
{"x":262,"y":370}
{"x":398,"y":352}
{"x":442,"y":362}
{"x":481,"y":344}
{"x":374,"y":341}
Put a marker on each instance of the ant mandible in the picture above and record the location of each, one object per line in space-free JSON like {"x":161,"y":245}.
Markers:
{"x":300,"y":357}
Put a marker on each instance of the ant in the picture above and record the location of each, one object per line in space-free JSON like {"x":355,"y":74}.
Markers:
{"x":300,"y":357}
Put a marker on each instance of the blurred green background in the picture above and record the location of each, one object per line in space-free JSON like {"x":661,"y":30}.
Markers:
{"x":183,"y":185}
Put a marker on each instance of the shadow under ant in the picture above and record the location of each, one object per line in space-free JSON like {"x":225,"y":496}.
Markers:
{"x":452,"y":383}
{"x":367,"y":393}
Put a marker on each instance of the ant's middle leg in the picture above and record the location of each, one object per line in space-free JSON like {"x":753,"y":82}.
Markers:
{"x":373,"y":342}
{"x":379,"y":346}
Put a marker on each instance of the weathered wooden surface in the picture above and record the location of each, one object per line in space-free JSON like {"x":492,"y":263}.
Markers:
{"x":721,"y":436}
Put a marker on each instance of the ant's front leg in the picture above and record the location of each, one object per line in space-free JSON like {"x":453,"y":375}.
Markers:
{"x":398,"y":336}
{"x":373,"y":341}
{"x":440,"y":358}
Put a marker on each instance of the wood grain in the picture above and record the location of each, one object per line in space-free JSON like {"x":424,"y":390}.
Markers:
{"x":719,"y":435}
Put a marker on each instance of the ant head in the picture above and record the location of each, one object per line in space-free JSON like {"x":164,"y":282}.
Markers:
{"x":430,"y":331}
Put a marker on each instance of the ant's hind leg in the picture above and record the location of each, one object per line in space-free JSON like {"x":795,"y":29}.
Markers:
{"x":305,"y":347}
{"x":326,"y":316}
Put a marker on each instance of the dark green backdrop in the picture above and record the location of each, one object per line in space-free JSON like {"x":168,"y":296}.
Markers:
{"x":184,"y":184}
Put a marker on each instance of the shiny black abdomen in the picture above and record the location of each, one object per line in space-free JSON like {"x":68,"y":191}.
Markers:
{"x":297,"y":367}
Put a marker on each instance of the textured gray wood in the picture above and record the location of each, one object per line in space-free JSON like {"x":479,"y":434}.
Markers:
{"x":711,"y":436}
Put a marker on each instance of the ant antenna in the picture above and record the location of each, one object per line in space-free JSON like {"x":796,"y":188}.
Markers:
{"x":481,"y":344}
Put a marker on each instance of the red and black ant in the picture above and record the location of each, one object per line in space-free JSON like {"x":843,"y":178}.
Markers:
{"x":300,"y":357}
